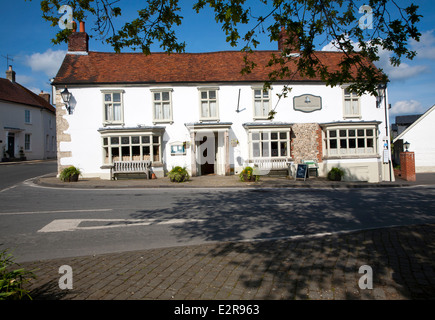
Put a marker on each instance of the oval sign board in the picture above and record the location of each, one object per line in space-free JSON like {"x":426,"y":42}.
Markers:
{"x":307,"y":103}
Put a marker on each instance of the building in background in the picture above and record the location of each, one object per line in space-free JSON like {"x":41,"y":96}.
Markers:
{"x":27,"y":122}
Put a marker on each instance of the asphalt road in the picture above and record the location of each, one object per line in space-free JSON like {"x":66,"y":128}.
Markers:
{"x":44,"y":223}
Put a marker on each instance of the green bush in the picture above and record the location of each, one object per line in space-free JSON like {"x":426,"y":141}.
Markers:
{"x":247,"y":174}
{"x":335,"y":174}
{"x":12,"y":281}
{"x":178,"y":174}
{"x":70,"y":174}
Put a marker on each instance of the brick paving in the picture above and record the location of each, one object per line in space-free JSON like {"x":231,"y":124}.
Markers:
{"x":318,"y":268}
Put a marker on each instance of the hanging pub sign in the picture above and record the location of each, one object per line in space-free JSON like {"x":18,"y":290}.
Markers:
{"x":307,"y":103}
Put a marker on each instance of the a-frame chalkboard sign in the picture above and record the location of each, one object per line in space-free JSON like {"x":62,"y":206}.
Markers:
{"x":302,"y":172}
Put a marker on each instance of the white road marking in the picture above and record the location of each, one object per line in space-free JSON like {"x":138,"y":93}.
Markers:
{"x":57,"y":211}
{"x":62,"y":225}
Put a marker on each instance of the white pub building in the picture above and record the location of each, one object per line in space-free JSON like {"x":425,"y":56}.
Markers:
{"x":196,"y":110}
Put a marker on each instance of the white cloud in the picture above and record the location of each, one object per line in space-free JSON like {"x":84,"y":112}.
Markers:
{"x":426,"y":47}
{"x":48,"y":62}
{"x":404,"y":70}
{"x":407,"y":107}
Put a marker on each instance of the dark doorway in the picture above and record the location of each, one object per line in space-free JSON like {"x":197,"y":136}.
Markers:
{"x":11,"y":145}
{"x":207,"y":153}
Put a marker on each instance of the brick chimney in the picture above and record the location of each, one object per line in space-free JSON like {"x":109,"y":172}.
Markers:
{"x":288,"y":40}
{"x":10,"y":74}
{"x":45,"y":96}
{"x":78,"y":41}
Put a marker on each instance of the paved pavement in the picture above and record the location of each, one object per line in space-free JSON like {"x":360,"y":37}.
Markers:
{"x":327,"y":267}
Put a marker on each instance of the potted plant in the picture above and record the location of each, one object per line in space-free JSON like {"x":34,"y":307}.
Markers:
{"x":247,"y":174}
{"x":70,"y":174}
{"x":335,"y":174}
{"x":178,"y":174}
{"x":22,"y":155}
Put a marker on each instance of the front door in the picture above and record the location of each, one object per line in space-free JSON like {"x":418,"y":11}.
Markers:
{"x":207,"y":154}
{"x":11,"y":145}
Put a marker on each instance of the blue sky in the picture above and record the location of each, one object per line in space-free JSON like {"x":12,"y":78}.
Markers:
{"x":26,"y":37}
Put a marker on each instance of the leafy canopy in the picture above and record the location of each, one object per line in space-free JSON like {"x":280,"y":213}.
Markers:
{"x":314,"y":22}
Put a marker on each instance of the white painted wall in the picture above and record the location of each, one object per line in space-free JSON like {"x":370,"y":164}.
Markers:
{"x":87,"y":118}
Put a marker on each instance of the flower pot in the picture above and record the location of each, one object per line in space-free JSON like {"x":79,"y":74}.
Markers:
{"x":73,"y":178}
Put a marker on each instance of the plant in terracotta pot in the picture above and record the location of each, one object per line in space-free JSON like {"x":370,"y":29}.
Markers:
{"x":247,"y":174}
{"x":178,"y":174}
{"x":70,"y":174}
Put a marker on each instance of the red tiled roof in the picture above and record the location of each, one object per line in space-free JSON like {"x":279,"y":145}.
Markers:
{"x":14,"y":92}
{"x":223,"y":66}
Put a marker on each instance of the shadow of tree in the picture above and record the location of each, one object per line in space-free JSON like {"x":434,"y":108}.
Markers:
{"x":299,"y":261}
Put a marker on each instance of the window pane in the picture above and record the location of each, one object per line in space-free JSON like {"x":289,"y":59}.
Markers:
{"x":361,"y":143}
{"x":146,"y":139}
{"x":256,"y":136}
{"x":204,"y":95}
{"x":274,"y":147}
{"x":125,"y":140}
{"x":333,"y":144}
{"x":283,"y":135}
{"x":347,"y":107}
{"x":266,"y":94}
{"x":266,"y":149}
{"x":146,"y":151}
{"x":355,"y":107}
{"x":157,"y":108}
{"x":107,"y":109}
{"x":116,"y":97}
{"x":361,"y":133}
{"x":135,"y":152}
{"x":370,"y":143}
{"x":108,"y":97}
{"x":204,"y":110}
{"x":213,"y":113}
{"x":156,"y":153}
{"x":105,"y":141}
{"x":117,"y":112}
{"x":256,"y":149}
{"x":165,"y":96}
{"x":135,"y":140}
{"x":274,"y":135}
{"x":156,"y":96}
{"x":333,"y":134}
{"x":258,"y":108}
{"x":257,"y":94}
{"x":166,"y":111}
{"x":125,"y":154}
{"x":114,"y":140}
{"x":352,"y":143}
{"x":351,"y":133}
{"x":265,"y":136}
{"x":369,"y":132}
{"x":212,"y":94}
{"x":155,"y":139}
{"x":283,"y":149}
{"x":343,"y":133}
{"x":115,"y":154}
{"x":343,"y":144}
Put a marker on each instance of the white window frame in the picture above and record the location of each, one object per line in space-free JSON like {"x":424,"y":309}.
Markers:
{"x":351,"y":141}
{"x":351,"y":97}
{"x":131,"y":141}
{"x":208,"y":100}
{"x":161,"y":119}
{"x":111,"y":120}
{"x":27,"y":142}
{"x":27,"y":116}
{"x":265,"y":138}
{"x":265,"y":111}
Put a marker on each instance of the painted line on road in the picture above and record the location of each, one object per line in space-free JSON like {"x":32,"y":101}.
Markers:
{"x":56,"y":211}
{"x":9,"y":188}
{"x":62,"y":225}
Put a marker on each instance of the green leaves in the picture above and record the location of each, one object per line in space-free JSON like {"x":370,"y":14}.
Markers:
{"x":310,"y":24}
{"x":12,"y":281}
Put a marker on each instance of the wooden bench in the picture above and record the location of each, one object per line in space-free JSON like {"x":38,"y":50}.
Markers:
{"x":312,"y":165}
{"x":268,"y":165}
{"x":130,"y":167}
